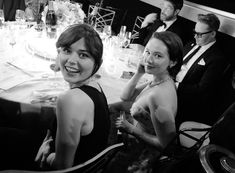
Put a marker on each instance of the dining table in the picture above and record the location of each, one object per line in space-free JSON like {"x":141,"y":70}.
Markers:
{"x":25,"y":75}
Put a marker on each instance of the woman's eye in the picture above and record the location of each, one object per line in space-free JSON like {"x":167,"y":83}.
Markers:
{"x":147,"y":52}
{"x":83,"y":55}
{"x":157,"y":55}
{"x":66,"y":50}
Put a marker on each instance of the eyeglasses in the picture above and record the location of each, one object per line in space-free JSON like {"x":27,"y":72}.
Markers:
{"x":200,"y":34}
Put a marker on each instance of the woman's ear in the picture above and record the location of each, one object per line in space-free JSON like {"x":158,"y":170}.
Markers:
{"x":172,"y":64}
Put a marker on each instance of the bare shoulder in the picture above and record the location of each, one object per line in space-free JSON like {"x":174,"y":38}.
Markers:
{"x":75,"y":102}
{"x":165,"y":97}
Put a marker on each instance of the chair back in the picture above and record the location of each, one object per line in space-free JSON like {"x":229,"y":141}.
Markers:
{"x":104,"y":16}
{"x":136,"y":27}
{"x":214,"y":159}
{"x":96,"y":164}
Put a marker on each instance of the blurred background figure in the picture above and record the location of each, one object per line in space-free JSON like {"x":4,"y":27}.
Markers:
{"x":10,"y":7}
{"x":168,"y":21}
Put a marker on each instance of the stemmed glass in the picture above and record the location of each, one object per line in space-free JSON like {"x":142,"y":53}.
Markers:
{"x":54,"y":67}
{"x":2,"y":18}
{"x":12,"y":40}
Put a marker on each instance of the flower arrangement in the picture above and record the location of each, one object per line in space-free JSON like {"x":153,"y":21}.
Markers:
{"x":67,"y":12}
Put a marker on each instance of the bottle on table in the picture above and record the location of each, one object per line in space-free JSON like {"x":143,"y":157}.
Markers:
{"x":51,"y":21}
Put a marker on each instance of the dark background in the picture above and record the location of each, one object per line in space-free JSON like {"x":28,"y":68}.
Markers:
{"x":224,"y":5}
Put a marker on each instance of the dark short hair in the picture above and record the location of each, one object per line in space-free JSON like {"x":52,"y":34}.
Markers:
{"x":211,"y":20}
{"x":178,"y":4}
{"x":92,"y":39}
{"x":175,"y":49}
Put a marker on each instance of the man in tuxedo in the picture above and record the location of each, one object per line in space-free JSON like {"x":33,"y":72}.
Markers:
{"x":200,"y":79}
{"x":169,"y":20}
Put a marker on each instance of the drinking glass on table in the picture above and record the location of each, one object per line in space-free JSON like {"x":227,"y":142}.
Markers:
{"x":107,"y":30}
{"x":20,"y":16}
{"x":12,"y":41}
{"x":127,"y":39}
{"x":2,"y":18}
{"x":121,"y":35}
{"x":54,"y":68}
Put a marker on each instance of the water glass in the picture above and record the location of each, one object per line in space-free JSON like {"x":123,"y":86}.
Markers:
{"x":122,"y":32}
{"x":127,"y":39}
{"x":107,"y":30}
{"x":20,"y":16}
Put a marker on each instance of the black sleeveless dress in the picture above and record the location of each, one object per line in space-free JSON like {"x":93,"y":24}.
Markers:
{"x":96,"y":141}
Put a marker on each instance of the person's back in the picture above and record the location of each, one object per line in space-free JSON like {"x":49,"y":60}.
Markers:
{"x":10,"y":7}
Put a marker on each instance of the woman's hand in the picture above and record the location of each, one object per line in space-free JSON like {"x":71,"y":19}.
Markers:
{"x":124,"y":125}
{"x":44,"y":151}
{"x":140,"y":68}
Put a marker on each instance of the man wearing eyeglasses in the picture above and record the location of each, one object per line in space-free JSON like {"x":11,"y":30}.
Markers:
{"x":167,"y":21}
{"x":200,"y":77}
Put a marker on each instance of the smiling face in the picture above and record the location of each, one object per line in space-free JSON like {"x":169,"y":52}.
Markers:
{"x":156,"y":57}
{"x":76,"y":63}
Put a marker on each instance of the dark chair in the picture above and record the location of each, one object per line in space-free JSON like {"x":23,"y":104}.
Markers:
{"x":182,"y":152}
{"x":216,"y":159}
{"x":97,"y":164}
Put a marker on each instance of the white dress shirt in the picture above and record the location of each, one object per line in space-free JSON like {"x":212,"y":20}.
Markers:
{"x":185,"y":67}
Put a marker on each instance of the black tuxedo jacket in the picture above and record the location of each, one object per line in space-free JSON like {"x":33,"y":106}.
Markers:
{"x":199,"y":90}
{"x":182,"y":27}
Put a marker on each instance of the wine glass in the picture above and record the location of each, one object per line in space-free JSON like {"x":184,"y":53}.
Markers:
{"x":2,"y":18}
{"x":12,"y":40}
{"x":54,"y":66}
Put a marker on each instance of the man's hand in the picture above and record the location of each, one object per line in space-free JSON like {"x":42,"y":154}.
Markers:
{"x":150,"y":18}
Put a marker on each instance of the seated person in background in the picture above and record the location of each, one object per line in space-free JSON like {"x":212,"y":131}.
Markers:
{"x":82,"y":112}
{"x":10,"y":7}
{"x":152,"y":105}
{"x":32,"y":9}
{"x":199,"y":79}
{"x":169,"y":21}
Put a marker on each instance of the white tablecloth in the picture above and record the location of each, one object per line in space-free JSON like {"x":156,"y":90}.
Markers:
{"x":33,"y":75}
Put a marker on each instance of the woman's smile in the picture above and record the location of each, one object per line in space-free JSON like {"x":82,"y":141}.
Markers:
{"x":71,"y":69}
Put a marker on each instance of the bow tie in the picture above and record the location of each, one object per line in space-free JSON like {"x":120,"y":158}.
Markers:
{"x":163,"y":24}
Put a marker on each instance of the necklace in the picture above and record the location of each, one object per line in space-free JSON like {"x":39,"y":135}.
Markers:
{"x":152,"y":83}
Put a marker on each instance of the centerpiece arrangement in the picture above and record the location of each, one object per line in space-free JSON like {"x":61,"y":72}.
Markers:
{"x":67,"y":12}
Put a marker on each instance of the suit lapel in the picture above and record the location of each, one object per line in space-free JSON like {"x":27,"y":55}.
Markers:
{"x":195,"y":65}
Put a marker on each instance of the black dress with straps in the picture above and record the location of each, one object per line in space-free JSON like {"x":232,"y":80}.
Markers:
{"x":97,"y":140}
